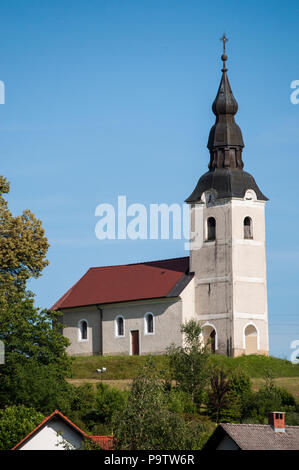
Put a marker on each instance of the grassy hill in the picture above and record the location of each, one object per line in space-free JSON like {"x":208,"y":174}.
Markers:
{"x":126,"y":367}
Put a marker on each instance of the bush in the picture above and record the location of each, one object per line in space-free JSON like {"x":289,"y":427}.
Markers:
{"x":180,"y":402}
{"x":146,"y":422}
{"x":292,"y":418}
{"x":189,"y":363}
{"x":267,"y":399}
{"x":287,"y":399}
{"x":109,"y":400}
{"x":15,"y":423}
{"x":41,"y":386}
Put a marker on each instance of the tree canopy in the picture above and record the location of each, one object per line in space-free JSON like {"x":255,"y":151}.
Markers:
{"x":35,"y":350}
{"x":23,"y":246}
{"x":189,"y":363}
{"x":146,"y":423}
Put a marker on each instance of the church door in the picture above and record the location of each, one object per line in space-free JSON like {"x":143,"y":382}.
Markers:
{"x":135,"y":342}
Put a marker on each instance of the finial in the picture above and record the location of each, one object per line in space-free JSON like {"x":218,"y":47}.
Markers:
{"x":224,"y":39}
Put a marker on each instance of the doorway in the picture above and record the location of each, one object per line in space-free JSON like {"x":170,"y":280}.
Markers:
{"x":135,"y":342}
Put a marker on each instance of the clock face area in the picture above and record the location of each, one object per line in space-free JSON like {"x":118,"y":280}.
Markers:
{"x":208,"y":198}
{"x":250,"y":195}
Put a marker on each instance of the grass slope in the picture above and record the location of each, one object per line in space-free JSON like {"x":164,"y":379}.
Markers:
{"x":126,"y":367}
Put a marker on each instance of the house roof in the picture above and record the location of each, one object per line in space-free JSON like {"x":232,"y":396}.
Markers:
{"x":255,"y":437}
{"x":111,"y":284}
{"x":106,"y":442}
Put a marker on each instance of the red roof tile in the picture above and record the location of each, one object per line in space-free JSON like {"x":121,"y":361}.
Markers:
{"x":105,"y":442}
{"x":122,"y":283}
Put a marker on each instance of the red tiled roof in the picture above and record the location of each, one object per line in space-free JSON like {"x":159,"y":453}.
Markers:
{"x":106,"y":442}
{"x":122,"y":283}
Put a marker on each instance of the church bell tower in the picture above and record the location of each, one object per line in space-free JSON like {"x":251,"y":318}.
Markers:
{"x":227,"y":243}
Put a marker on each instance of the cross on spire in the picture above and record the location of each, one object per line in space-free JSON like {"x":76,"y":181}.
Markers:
{"x":224,"y":40}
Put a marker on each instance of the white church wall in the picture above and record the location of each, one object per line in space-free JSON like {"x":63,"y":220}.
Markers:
{"x":71,"y":319}
{"x":188,"y":302}
{"x":167,"y":320}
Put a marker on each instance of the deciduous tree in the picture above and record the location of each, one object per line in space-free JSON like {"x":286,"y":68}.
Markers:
{"x":189,"y":363}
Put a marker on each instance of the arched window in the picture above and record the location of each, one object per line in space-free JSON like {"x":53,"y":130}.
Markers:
{"x":210,"y":337}
{"x":83,"y":328}
{"x":211,"y":229}
{"x":248,"y":233}
{"x":251,"y":339}
{"x":119,"y":326}
{"x":149,"y":323}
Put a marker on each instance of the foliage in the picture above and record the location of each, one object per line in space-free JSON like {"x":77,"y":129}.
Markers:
{"x":218,"y":393}
{"x":146,"y":422}
{"x":35,"y":358}
{"x":23,"y":246}
{"x":180,"y":402}
{"x":109,"y":400}
{"x":292,"y":418}
{"x":264,"y":401}
{"x":287,"y":399}
{"x":240,"y":394}
{"x":28,"y":332}
{"x":188,"y":363}
{"x":92,"y":410}
{"x":33,"y":384}
{"x":15,"y":423}
{"x":83,"y":400}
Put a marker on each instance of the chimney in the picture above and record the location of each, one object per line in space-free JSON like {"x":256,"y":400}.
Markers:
{"x":276,"y":419}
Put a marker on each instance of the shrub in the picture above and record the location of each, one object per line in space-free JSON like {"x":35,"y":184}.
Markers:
{"x":180,"y":402}
{"x":108,"y":400}
{"x":15,"y":423}
{"x":146,"y":422}
{"x":287,"y":399}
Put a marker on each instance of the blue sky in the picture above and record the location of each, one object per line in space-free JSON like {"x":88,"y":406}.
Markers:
{"x":113,"y":97}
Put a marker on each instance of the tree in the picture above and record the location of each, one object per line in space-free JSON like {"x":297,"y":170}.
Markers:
{"x":146,"y":422}
{"x":218,"y":392}
{"x":108,"y":400}
{"x":15,"y":423}
{"x":28,"y":332}
{"x":23,"y":247}
{"x":35,"y":350}
{"x":267,"y":399}
{"x":93,"y":409}
{"x":189,"y":363}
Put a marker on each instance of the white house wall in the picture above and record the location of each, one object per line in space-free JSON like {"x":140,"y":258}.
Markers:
{"x":48,"y":439}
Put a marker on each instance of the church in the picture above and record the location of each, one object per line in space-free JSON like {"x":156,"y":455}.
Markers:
{"x":138,"y":308}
